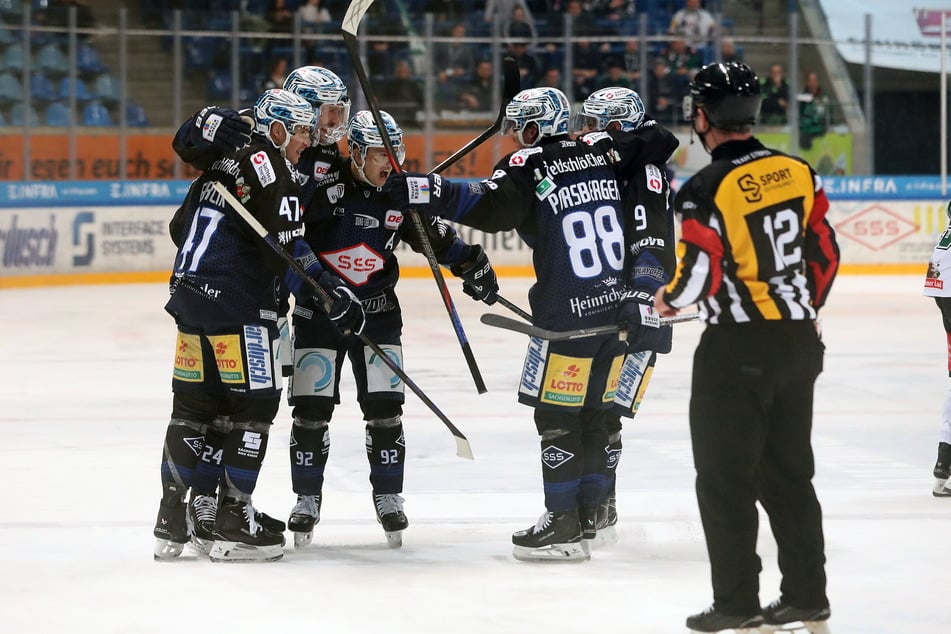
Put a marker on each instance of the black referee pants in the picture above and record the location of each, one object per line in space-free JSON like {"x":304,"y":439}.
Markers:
{"x":750,"y":425}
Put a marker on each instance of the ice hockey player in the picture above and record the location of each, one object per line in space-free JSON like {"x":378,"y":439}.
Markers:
{"x":649,"y":247}
{"x":937,"y":285}
{"x":758,"y":254}
{"x":203,"y":139}
{"x":225,"y":295}
{"x":564,"y":197}
{"x":354,"y":230}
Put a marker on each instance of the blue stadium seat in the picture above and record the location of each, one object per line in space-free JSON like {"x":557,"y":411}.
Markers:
{"x":13,"y":58}
{"x":11,"y":90}
{"x":135,"y":115}
{"x":58,"y":115}
{"x":107,"y":89}
{"x":82,"y":92}
{"x":88,"y":62}
{"x":19,"y":113}
{"x":52,"y":61}
{"x":41,"y":88}
{"x":95,"y":114}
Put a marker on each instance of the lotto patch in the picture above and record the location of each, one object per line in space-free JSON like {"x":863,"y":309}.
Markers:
{"x":613,"y":379}
{"x":228,"y":358}
{"x":188,"y":360}
{"x":566,"y":380}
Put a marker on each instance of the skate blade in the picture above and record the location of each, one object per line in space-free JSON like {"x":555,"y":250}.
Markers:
{"x":574,"y":552}
{"x":303,"y":538}
{"x":606,"y":536}
{"x":202,"y":546}
{"x":940,"y":489}
{"x":233,"y":552}
{"x":166,"y":550}
{"x":394,"y":539}
{"x":799,"y":627}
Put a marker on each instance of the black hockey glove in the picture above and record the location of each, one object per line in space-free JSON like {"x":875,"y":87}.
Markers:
{"x":346,"y":311}
{"x":478,"y":278}
{"x":410,"y":189}
{"x":637,"y":316}
{"x":224,"y":128}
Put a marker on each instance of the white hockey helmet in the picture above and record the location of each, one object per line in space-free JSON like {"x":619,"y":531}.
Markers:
{"x":282,"y":106}
{"x":547,"y":108}
{"x":362,"y":133}
{"x":607,"y":105}
{"x":327,"y":93}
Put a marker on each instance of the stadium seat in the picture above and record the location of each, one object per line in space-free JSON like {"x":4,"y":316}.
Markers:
{"x":11,"y":90}
{"x":135,"y":115}
{"x":95,"y":114}
{"x":13,"y":58}
{"x":82,"y":92}
{"x":19,"y":113}
{"x":52,"y":61}
{"x":107,"y":89}
{"x":88,"y":62}
{"x":58,"y":115}
{"x":41,"y":88}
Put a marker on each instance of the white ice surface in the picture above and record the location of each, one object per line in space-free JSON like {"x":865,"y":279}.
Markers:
{"x":85,"y":396}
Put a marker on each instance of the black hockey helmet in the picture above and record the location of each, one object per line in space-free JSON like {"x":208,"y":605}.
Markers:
{"x":728,"y":93}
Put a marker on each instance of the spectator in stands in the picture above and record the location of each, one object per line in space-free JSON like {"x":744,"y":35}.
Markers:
{"x":476,"y":94}
{"x":504,"y":10}
{"x":613,"y":10}
{"x":582,"y":21}
{"x":519,"y":27}
{"x":457,"y":58}
{"x":694,"y":23}
{"x":614,"y":76}
{"x":402,"y":95}
{"x":586,"y":68}
{"x":527,"y":64}
{"x":277,"y":75}
{"x":379,"y":59}
{"x":662,"y":92}
{"x":551,"y":78}
{"x":313,"y":16}
{"x":775,"y":91}
{"x":683,"y":62}
{"x":728,"y":51}
{"x":813,"y":111}
{"x":632,"y":59}
{"x":280,"y":16}
{"x":444,"y":10}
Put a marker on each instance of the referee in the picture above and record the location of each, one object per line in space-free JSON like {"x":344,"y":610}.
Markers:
{"x":758,"y":256}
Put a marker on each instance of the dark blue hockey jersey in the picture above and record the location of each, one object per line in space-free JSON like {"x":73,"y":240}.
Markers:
{"x":224,"y":273}
{"x":564,"y":197}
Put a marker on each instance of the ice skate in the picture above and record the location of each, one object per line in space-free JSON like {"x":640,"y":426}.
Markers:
{"x":239,"y":537}
{"x":942,"y":471}
{"x":605,"y":522}
{"x":712,"y":621}
{"x":780,"y":617}
{"x":304,"y":515}
{"x":202,"y":511}
{"x":389,"y":513}
{"x":588,"y":518}
{"x":171,"y":526}
{"x":555,"y":537}
{"x":269,"y":523}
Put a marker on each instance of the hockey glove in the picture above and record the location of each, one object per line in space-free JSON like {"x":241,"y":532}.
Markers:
{"x":478,"y":278}
{"x":413,"y":190}
{"x":224,"y":128}
{"x":637,"y":316}
{"x":346,"y":311}
{"x":308,"y":261}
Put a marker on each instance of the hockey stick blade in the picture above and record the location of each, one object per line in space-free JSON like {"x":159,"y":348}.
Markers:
{"x":351,"y":24}
{"x":463,"y":450}
{"x":507,"y":323}
{"x":512,"y":84}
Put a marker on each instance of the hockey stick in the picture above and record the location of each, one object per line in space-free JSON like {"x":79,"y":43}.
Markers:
{"x":524,"y":314}
{"x":512,"y":83}
{"x":463,"y":450}
{"x":507,"y":323}
{"x":351,"y":22}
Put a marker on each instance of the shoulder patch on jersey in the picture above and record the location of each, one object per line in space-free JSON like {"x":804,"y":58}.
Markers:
{"x":655,"y":179}
{"x":393,"y":219}
{"x":335,"y":193}
{"x":519,"y":157}
{"x":263,"y":168}
{"x":593,"y":137}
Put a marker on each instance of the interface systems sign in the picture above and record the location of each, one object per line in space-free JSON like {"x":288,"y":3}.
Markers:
{"x":876,"y":227}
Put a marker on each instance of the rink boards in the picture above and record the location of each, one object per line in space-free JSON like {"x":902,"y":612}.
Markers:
{"x":111,"y":232}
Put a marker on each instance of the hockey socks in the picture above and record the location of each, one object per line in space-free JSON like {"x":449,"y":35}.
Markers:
{"x":386,"y":452}
{"x":309,"y":450}
{"x":244,"y":449}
